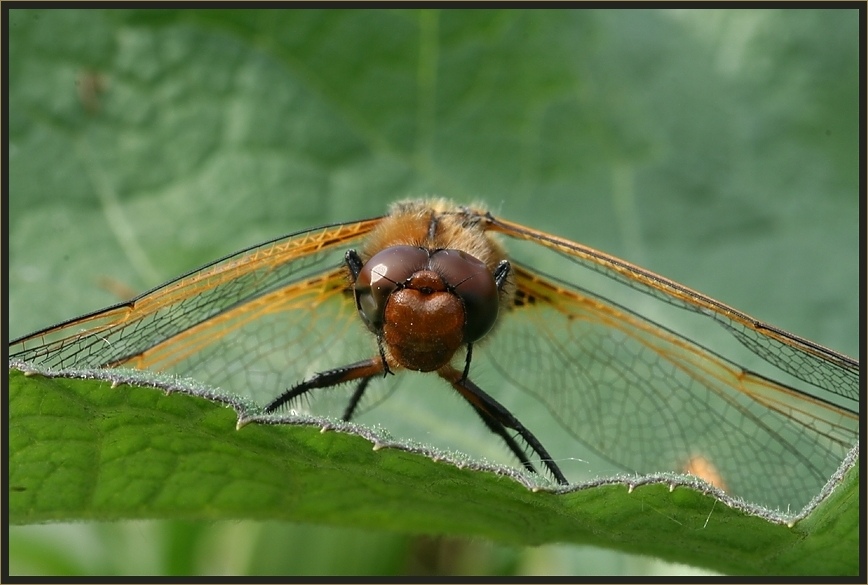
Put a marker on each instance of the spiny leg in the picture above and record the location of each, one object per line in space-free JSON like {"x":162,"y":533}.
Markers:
{"x":359,"y":370}
{"x":497,"y":418}
{"x":354,"y":263}
{"x":466,"y":371}
{"x":501,"y":271}
{"x":355,"y":398}
{"x":498,"y":429}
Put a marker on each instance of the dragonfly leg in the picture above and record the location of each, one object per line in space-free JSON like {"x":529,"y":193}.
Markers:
{"x":466,"y":371}
{"x":354,"y":399}
{"x":359,"y":370}
{"x":497,"y":418}
{"x":354,"y":263}
{"x":500,"y":274}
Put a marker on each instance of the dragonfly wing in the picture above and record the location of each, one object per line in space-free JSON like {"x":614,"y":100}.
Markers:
{"x":646,"y":398}
{"x":242,"y":324}
{"x":821,"y":368}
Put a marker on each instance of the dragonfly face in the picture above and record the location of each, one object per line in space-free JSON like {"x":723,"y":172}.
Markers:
{"x":425,"y":302}
{"x":645,"y":373}
{"x":423,"y":294}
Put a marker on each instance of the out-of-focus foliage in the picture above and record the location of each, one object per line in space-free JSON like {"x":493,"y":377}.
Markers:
{"x":719,"y":148}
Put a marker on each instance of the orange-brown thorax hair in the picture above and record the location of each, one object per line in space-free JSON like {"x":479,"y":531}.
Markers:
{"x":408,"y":224}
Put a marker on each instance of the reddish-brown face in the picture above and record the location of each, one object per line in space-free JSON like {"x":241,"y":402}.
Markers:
{"x":426,"y":304}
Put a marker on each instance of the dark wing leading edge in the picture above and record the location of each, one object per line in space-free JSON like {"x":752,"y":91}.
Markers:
{"x":241,"y":324}
{"x":641,"y":396}
{"x":774,"y":418}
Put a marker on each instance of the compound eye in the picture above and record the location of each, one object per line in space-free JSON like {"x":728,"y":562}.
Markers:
{"x":474,"y":283}
{"x":384,"y":273}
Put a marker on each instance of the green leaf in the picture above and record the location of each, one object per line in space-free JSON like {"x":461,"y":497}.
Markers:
{"x":718,"y":148}
{"x":86,"y":450}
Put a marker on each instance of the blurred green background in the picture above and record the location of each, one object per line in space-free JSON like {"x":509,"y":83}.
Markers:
{"x":719,"y":148}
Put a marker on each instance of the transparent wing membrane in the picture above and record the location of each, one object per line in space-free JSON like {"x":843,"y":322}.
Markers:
{"x":610,"y":349}
{"x":798,"y":357}
{"x":646,"y":399}
{"x":238,"y":324}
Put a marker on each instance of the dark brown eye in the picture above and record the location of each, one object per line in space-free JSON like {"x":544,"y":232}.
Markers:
{"x":473,"y":282}
{"x":380,"y":276}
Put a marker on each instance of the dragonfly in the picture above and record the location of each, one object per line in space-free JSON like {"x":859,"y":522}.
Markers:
{"x":636,"y":370}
